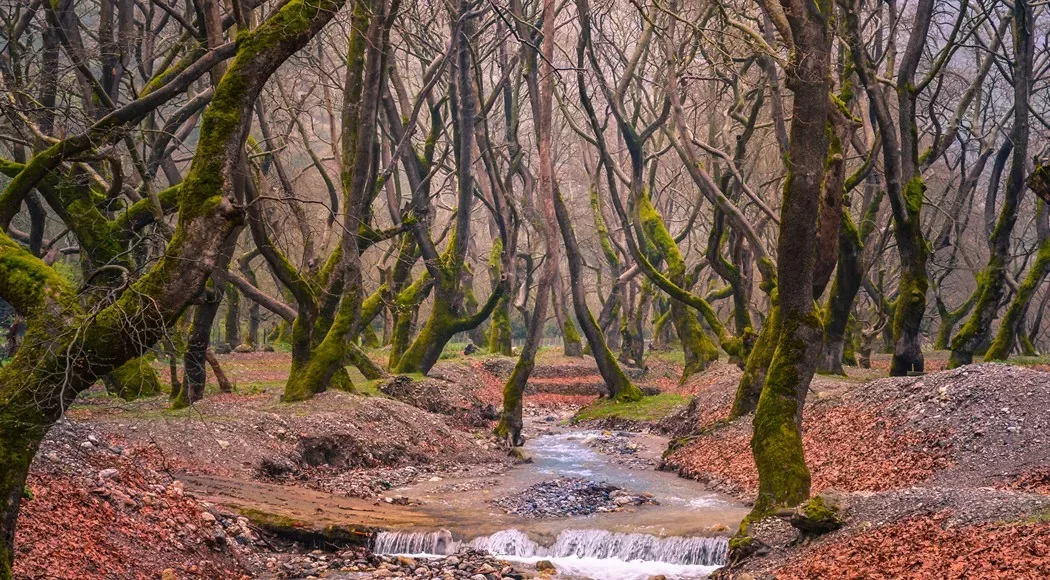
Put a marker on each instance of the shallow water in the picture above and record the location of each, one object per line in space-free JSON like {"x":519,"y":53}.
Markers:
{"x":685,"y":507}
{"x":675,"y":538}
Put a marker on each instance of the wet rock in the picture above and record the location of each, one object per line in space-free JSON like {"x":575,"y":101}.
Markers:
{"x":546,"y":566}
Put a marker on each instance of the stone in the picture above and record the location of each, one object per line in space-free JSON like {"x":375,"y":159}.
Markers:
{"x":406,"y":561}
{"x":107,"y":473}
{"x":223,"y":444}
{"x":546,"y":566}
{"x":168,"y":574}
{"x":382,"y":573}
{"x":208,"y":517}
{"x":451,"y":561}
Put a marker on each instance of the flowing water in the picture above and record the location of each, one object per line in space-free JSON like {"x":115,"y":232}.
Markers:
{"x":673,"y":538}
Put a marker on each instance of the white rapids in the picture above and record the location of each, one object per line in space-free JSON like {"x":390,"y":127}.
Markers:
{"x":587,"y":553}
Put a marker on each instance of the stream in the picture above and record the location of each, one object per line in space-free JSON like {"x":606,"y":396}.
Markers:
{"x":683,"y":536}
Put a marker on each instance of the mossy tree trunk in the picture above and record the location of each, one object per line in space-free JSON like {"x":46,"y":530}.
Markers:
{"x":776,"y":440}
{"x":470,"y":306}
{"x":750,"y":387}
{"x":904,"y":183}
{"x":447,"y":317}
{"x":992,"y":281}
{"x":539,"y":77}
{"x":364,"y":80}
{"x":572,"y":344}
{"x":36,"y":387}
{"x":1011,"y":324}
{"x":699,"y":350}
{"x":950,"y":318}
{"x":499,"y":338}
{"x":849,"y":275}
{"x":406,"y":309}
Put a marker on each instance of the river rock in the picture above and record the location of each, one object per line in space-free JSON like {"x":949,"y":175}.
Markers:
{"x":545,"y":566}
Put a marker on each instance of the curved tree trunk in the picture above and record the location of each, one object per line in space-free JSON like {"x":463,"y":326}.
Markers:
{"x":619,"y":385}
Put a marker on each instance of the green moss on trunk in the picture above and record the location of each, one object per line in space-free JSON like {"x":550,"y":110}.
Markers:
{"x":134,"y":379}
{"x":1003,"y":344}
{"x":776,"y":439}
{"x":750,"y":387}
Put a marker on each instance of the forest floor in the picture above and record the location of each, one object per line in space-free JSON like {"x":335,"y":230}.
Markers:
{"x":944,"y":475}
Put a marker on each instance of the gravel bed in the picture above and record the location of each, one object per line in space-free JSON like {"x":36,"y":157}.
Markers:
{"x":569,"y":497}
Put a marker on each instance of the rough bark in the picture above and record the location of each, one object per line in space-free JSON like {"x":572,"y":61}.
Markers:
{"x":776,"y":441}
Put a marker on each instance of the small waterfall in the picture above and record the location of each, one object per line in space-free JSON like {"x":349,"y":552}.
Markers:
{"x":597,"y":544}
{"x":510,"y":543}
{"x":691,"y":551}
{"x":438,"y":543}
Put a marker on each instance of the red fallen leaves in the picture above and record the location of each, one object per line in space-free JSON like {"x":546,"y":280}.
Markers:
{"x":69,"y":532}
{"x":924,"y":548}
{"x":848,"y":448}
{"x":1035,"y":481}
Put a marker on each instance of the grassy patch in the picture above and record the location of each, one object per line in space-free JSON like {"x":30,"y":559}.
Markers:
{"x":651,"y":408}
{"x":1028,"y":361}
{"x":673,"y":356}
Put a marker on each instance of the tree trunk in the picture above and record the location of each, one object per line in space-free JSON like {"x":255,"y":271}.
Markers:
{"x":843,"y":290}
{"x":776,"y":440}
{"x":233,"y":318}
{"x":992,"y":282}
{"x":572,"y":345}
{"x":620,"y":387}
{"x":34,"y":390}
{"x":225,"y":386}
{"x":541,"y":93}
{"x":499,"y":339}
{"x":1010,"y":325}
{"x":750,"y":387}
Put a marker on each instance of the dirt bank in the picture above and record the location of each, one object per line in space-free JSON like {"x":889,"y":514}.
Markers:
{"x":958,"y":457}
